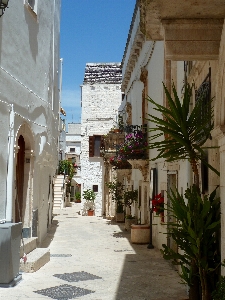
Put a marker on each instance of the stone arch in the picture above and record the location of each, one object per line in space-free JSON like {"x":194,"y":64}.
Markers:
{"x":24,"y":166}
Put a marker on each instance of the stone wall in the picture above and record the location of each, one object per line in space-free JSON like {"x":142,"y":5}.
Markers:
{"x":100,"y":102}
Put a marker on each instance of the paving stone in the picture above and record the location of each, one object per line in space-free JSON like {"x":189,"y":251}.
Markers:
{"x":64,"y":292}
{"x":97,"y":261}
{"x":76,"y":276}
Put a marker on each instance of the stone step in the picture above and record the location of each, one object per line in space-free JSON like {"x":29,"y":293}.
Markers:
{"x":35,"y":260}
{"x":59,"y":181}
{"x":58,"y":192}
{"x":29,"y":245}
{"x":57,"y":203}
{"x":57,"y":200}
{"x":58,"y":197}
{"x":58,"y":188}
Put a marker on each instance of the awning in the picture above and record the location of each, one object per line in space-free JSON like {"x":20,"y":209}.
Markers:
{"x":77,"y":180}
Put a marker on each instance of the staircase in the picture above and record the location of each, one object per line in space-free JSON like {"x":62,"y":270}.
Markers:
{"x":36,"y":257}
{"x":59,"y":192}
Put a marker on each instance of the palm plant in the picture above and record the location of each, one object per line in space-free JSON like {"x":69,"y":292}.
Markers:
{"x":184,"y":133}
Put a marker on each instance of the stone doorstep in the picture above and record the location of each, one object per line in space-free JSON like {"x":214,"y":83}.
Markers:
{"x":29,"y":245}
{"x":35,"y":260}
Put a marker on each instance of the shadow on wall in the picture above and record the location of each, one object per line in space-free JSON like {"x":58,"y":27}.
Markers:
{"x":33,"y":28}
{"x":1,"y":40}
{"x":50,"y":235}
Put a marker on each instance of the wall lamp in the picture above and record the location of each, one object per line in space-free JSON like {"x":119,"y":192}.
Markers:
{"x":3,"y":5}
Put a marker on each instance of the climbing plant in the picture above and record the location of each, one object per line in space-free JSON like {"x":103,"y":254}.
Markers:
{"x":67,"y":168}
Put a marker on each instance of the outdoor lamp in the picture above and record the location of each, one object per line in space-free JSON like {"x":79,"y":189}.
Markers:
{"x":3,"y":5}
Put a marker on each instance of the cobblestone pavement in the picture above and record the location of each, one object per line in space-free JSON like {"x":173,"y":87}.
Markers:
{"x":92,"y":259}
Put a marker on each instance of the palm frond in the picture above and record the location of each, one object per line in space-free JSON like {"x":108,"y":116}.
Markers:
{"x":184,"y":131}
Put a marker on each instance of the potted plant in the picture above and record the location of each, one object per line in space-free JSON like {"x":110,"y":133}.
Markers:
{"x":119,"y":162}
{"x":184,"y":132}
{"x":130,"y":197}
{"x":134,"y":146}
{"x":158,"y":206}
{"x":89,"y":196}
{"x":77,"y":197}
{"x":116,"y":189}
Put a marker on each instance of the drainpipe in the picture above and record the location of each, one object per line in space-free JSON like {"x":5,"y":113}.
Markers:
{"x":9,"y":187}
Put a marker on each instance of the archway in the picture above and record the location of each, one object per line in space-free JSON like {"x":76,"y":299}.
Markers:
{"x":24,"y":168}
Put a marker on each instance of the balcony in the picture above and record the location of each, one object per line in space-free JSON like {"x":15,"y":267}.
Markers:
{"x":112,"y":140}
{"x":129,"y":143}
{"x":119,"y":162}
{"x":135,"y":145}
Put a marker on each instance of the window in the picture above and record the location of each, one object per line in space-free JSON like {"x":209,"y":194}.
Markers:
{"x":95,"y":188}
{"x":95,"y":144}
{"x":203,"y":96}
{"x":72,"y":149}
{"x":205,"y":174}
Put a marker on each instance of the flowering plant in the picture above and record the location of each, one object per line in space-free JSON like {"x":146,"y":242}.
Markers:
{"x":89,"y":195}
{"x":119,"y":162}
{"x":158,"y":204}
{"x":133,"y":142}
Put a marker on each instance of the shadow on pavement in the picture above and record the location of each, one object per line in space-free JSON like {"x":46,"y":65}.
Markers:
{"x":146,"y":275}
{"x":50,"y":235}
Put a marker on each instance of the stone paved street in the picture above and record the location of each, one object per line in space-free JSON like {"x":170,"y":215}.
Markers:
{"x":92,"y":259}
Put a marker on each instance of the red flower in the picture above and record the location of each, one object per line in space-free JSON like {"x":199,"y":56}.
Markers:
{"x":158,"y":204}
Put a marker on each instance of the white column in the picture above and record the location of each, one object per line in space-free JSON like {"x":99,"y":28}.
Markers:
{"x":10,"y":184}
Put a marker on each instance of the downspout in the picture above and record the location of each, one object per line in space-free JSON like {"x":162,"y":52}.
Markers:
{"x":10,"y":170}
{"x":60,"y":101}
{"x":53,"y":56}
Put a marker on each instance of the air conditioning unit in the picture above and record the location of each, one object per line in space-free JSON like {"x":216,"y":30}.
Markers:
{"x":10,"y":239}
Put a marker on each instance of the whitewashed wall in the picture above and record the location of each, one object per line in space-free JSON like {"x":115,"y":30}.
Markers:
{"x":99,"y":114}
{"x":29,"y":65}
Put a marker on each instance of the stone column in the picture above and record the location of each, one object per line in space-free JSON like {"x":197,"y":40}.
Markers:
{"x":219,"y":134}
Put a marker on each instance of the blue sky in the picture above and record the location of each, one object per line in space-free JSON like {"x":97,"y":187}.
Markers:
{"x":91,"y":31}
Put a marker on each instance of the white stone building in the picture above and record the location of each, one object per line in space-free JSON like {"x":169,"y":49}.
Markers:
{"x":143,"y":74}
{"x":188,"y":47}
{"x":101,"y":97}
{"x":29,"y":110}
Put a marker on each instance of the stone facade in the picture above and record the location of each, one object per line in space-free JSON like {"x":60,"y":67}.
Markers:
{"x":29,"y":101}
{"x":188,"y":47}
{"x":101,"y":97}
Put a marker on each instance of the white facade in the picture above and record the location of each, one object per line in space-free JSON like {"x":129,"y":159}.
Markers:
{"x":73,"y":150}
{"x":29,"y":109}
{"x":101,"y":97}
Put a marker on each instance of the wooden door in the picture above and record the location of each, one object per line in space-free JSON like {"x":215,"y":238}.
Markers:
{"x":20,"y":180}
{"x":172,"y":185}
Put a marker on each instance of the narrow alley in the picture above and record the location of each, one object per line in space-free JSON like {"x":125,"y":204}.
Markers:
{"x":92,"y":258}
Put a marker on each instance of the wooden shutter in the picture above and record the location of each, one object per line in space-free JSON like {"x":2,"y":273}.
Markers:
{"x":102,"y":142}
{"x":91,"y":146}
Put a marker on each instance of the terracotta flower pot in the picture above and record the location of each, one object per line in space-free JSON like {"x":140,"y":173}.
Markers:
{"x":90,"y":212}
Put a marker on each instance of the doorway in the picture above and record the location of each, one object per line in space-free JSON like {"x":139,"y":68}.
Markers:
{"x":171,"y":186}
{"x":20,"y":180}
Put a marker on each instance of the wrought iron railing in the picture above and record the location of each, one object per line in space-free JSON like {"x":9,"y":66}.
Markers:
{"x":135,"y":142}
{"x":203,"y":94}
{"x":131,"y":143}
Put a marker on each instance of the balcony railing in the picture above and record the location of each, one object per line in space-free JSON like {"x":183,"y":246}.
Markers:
{"x":129,"y":144}
{"x":135,"y":142}
{"x":112,"y":140}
